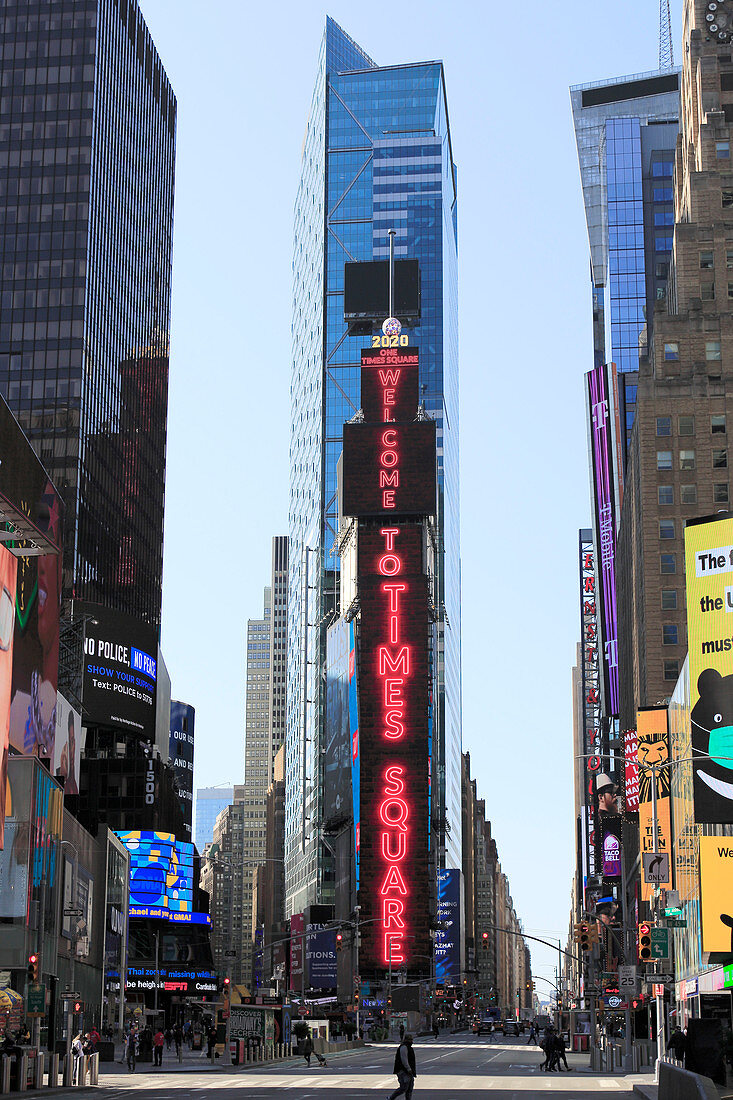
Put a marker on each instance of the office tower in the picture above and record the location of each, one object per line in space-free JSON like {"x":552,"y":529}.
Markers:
{"x":222,"y":876}
{"x":210,"y":801}
{"x":625,"y":131}
{"x":377,"y":155}
{"x":87,"y":143}
{"x":678,"y":466}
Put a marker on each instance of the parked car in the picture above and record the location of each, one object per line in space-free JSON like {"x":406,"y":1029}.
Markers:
{"x":511,"y":1027}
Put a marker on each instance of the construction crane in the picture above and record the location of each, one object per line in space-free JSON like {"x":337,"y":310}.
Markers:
{"x":666,"y":53}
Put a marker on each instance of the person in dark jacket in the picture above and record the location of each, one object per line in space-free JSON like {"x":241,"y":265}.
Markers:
{"x":677,"y":1043}
{"x":405,"y":1069}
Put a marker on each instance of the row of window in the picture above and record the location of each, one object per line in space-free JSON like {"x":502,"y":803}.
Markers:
{"x":688,"y":493}
{"x":712,"y":351}
{"x":686,"y":424}
{"x":687,"y":459}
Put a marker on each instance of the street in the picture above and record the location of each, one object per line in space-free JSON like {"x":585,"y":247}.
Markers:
{"x":461,"y":1064}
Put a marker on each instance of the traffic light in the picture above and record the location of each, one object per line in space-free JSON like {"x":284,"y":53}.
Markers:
{"x":33,"y":968}
{"x":485,"y":940}
{"x":339,"y":940}
{"x":78,"y":1007}
{"x":644,"y":941}
{"x":584,"y":938}
{"x":357,"y":998}
{"x":227,"y":983}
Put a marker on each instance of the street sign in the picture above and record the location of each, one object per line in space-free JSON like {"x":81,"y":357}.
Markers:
{"x":303,"y":1011}
{"x":73,"y":912}
{"x":666,"y":979}
{"x":627,"y":978}
{"x":656,"y":867}
{"x":614,"y":1000}
{"x":676,"y":923}
{"x":230,"y":954}
{"x":660,"y":943}
{"x":71,"y":995}
{"x":36,"y":999}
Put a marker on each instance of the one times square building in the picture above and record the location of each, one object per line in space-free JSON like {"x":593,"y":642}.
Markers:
{"x":377,"y":155}
{"x":87,"y":141}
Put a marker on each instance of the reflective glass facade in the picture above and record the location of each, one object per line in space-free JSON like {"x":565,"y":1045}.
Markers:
{"x":377,"y":155}
{"x":87,"y":142}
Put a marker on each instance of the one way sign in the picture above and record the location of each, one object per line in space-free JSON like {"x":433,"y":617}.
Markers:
{"x":656,"y":868}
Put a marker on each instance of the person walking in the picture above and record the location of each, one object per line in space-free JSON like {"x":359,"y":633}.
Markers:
{"x":546,"y":1047}
{"x":532,"y":1035}
{"x":178,"y":1040}
{"x":677,"y":1044}
{"x":210,"y":1041}
{"x":158,"y":1042}
{"x":436,"y":1029}
{"x":131,"y":1050}
{"x":307,"y":1049}
{"x":560,"y":1054}
{"x":77,"y":1049}
{"x":402,"y":1032}
{"x":405,"y":1069}
{"x":168,"y":1038}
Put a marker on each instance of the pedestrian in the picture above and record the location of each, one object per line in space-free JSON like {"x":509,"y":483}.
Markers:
{"x":131,"y":1050}
{"x":168,"y":1038}
{"x":77,"y":1049}
{"x":532,"y":1035}
{"x":307,"y":1049}
{"x":677,"y":1044}
{"x":211,"y":1041}
{"x":405,"y":1069}
{"x":436,"y":1029}
{"x":560,"y":1051}
{"x":158,"y":1041}
{"x":95,"y":1037}
{"x":402,"y":1032}
{"x":178,"y":1039}
{"x":546,"y":1047}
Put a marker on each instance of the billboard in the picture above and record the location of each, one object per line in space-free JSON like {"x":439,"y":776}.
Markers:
{"x":355,"y":755}
{"x":8,"y":574}
{"x":389,"y":384}
{"x":337,"y":800}
{"x":161,"y":877}
{"x":631,"y":771}
{"x":320,"y":956}
{"x":447,"y":951}
{"x":366,"y":289}
{"x":67,"y":745}
{"x":605,"y":436}
{"x":120,"y":670}
{"x":389,"y":469}
{"x":653,"y":748}
{"x":591,"y":692}
{"x":716,"y":893}
{"x":709,"y":574}
{"x":297,"y":927}
{"x":611,"y":837}
{"x":181,"y":746}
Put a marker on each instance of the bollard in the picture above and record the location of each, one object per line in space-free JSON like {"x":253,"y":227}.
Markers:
{"x":94,"y":1069}
{"x":279,"y":1050}
{"x":53,"y":1071}
{"x":68,"y":1070}
{"x":23,"y":1073}
{"x":38,"y":1070}
{"x":5,"y":1074}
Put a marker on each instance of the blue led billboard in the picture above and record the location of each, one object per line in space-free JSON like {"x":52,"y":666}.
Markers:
{"x":448,"y":939}
{"x":161,"y":877}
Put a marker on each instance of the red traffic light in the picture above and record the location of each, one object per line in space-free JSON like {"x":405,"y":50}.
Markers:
{"x":33,"y":968}
{"x":227,"y":981}
{"x":339,"y":940}
{"x":78,"y":1006}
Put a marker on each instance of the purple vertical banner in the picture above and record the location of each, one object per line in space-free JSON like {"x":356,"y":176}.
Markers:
{"x":601,"y":421}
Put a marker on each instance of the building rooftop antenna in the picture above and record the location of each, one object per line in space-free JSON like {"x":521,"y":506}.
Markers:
{"x":666,"y":53}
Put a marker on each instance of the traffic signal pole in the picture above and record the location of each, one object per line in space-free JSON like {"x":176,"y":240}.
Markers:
{"x":655,"y":897}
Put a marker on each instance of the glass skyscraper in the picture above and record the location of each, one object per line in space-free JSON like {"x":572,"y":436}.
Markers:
{"x":87,"y":144}
{"x":626,"y":130}
{"x":377,"y":155}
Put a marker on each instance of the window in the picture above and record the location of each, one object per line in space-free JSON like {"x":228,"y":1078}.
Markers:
{"x":665,"y":494}
{"x":662,"y":168}
{"x":663,"y":217}
{"x":687,"y":460}
{"x":720,"y":492}
{"x":671,"y":670}
{"x":688,"y":494}
{"x":720,"y":460}
{"x":666,"y":528}
{"x":664,"y":425}
{"x":662,"y":244}
{"x":730,"y":290}
{"x":729,"y":258}
{"x":727,"y":199}
{"x":706,"y":260}
{"x":669,"y":633}
{"x":722,"y":150}
{"x":717,"y":423}
{"x":667,"y":563}
{"x":669,"y":599}
{"x":664,"y":460}
{"x":663,"y":194}
{"x":662,"y":270}
{"x":671,"y":351}
{"x":707,"y":292}
{"x":712,"y":350}
{"x":686,"y":425}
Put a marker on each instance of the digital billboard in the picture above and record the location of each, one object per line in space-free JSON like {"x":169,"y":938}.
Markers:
{"x":297,"y":950}
{"x":653,"y":748}
{"x":320,"y":956}
{"x":181,"y":746}
{"x":631,"y":771}
{"x":31,"y":531}
{"x":611,"y":837}
{"x":448,"y":939}
{"x":716,"y":893}
{"x":8,"y":573}
{"x":161,"y":877}
{"x":120,"y":670}
{"x":389,"y":469}
{"x":355,"y":754}
{"x":709,"y":574}
{"x":366,"y":289}
{"x":337,"y":750}
{"x":389,"y":384}
{"x":67,"y":747}
{"x":591,"y":693}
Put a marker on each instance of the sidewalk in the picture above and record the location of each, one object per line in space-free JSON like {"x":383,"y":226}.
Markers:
{"x":197,"y":1062}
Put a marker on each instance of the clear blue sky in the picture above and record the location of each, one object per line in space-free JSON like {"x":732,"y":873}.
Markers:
{"x":243,"y":74}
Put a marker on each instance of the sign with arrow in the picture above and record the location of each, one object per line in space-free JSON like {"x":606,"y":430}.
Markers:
{"x":656,"y":868}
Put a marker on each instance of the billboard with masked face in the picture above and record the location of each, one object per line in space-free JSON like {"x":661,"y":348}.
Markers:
{"x":709,"y":574}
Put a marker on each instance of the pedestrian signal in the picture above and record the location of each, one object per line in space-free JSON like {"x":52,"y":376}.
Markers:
{"x":33,"y":968}
{"x":339,"y":941}
{"x":78,"y":1007}
{"x":644,"y":942}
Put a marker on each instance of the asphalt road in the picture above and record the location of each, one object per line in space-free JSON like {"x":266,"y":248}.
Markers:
{"x":456,"y":1067}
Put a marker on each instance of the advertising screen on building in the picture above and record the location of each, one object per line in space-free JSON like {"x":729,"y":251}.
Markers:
{"x":611,"y":846}
{"x":709,"y":573}
{"x":366,"y":289}
{"x":8,"y":573}
{"x":182,"y":721}
{"x":716,"y":893}
{"x":631,"y":771}
{"x":394,"y":698}
{"x":297,"y":951}
{"x":389,"y":469}
{"x":337,"y":754}
{"x":161,"y":877}
{"x":448,"y":938}
{"x":120,"y":670}
{"x":321,"y":956}
{"x":653,"y":749}
{"x":389,"y":384}
{"x":67,"y":747}
{"x":591,"y":693}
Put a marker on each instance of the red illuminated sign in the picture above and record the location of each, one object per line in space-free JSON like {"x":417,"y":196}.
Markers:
{"x":389,"y":384}
{"x":394,"y":697}
{"x":389,"y":469}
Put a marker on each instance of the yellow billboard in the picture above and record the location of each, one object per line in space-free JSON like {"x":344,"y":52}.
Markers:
{"x":653,"y":749}
{"x":709,"y":575}
{"x":716,"y":893}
